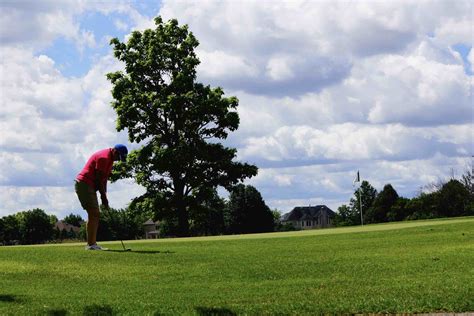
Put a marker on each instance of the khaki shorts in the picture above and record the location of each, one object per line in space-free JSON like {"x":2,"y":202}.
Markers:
{"x":86,"y":195}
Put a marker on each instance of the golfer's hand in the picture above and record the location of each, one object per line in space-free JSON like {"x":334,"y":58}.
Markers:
{"x":105,"y":202}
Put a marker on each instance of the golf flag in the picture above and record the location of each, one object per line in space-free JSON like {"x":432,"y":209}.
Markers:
{"x":357,"y":178}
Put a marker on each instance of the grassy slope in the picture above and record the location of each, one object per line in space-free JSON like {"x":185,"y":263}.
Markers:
{"x":421,"y":266}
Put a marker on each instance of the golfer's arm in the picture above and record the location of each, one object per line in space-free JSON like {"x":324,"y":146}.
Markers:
{"x":102,"y":183}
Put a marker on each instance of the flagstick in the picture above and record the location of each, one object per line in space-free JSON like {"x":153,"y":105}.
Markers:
{"x":360,"y":206}
{"x":357,"y":179}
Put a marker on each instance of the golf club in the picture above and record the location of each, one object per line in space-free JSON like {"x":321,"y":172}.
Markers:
{"x":125,"y":249}
{"x":121,"y":236}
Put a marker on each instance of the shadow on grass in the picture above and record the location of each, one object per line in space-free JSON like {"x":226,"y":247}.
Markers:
{"x":98,"y":310}
{"x":57,"y":312}
{"x":8,"y":298}
{"x":148,"y":252}
{"x":214,"y":311}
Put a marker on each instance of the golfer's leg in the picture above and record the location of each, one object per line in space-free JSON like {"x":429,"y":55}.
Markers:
{"x":92,"y":225}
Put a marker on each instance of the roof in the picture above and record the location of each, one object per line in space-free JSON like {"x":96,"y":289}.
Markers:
{"x":149,"y":222}
{"x":307,"y":213}
{"x":61,"y":225}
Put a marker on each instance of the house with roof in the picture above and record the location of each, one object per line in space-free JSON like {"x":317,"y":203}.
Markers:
{"x":63,"y":226}
{"x":151,"y":230}
{"x":309,"y":217}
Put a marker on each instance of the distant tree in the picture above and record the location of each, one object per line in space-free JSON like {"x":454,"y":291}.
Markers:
{"x":467,"y":179}
{"x":83,"y":232}
{"x":35,"y":227}
{"x":53,"y":219}
{"x":346,"y":216}
{"x":453,"y":200}
{"x":367,"y":194}
{"x":56,"y":233}
{"x":382,"y":205}
{"x":398,"y":211}
{"x":247,"y":211}
{"x":11,"y":229}
{"x":2,"y":231}
{"x":178,"y":120}
{"x":276,"y":219}
{"x":118,"y":224}
{"x":113,"y":224}
{"x":278,"y":225}
{"x":74,"y":220}
{"x":424,"y":206}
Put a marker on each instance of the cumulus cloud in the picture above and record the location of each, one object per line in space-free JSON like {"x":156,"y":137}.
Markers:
{"x":310,"y":44}
{"x":303,"y":145}
{"x":39,"y":105}
{"x":42,"y":22}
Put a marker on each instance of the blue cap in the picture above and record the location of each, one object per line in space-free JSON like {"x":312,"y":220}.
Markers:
{"x":122,"y":150}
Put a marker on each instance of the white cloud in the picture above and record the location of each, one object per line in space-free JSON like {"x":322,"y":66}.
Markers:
{"x":37,"y":24}
{"x":302,"y":145}
{"x":220,"y":64}
{"x":417,"y":91}
{"x":312,"y":44}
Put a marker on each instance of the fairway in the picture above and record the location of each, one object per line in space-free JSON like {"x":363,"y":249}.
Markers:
{"x":407,"y":267}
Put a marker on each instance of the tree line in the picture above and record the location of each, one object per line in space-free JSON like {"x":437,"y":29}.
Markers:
{"x":444,"y":199}
{"x":244,"y":212}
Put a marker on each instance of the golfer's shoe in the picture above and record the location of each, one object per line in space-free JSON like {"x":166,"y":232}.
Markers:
{"x":94,"y":247}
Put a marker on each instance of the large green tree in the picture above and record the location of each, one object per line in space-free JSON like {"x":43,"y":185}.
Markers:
{"x":177,"y":120}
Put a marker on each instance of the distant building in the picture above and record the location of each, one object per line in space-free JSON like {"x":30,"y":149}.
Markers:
{"x":151,"y":232}
{"x":61,"y":225}
{"x":309,"y":217}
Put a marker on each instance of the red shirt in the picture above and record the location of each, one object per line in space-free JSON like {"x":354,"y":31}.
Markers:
{"x":103,"y":161}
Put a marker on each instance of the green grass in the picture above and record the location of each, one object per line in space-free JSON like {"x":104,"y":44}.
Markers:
{"x":408,"y":267}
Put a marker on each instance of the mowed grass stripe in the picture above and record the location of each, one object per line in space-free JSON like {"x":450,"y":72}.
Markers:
{"x":421,"y":266}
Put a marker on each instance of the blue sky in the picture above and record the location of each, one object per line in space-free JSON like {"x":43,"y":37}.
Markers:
{"x":326,"y":88}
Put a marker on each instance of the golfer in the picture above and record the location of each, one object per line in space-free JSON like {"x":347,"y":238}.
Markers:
{"x":93,"y":178}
